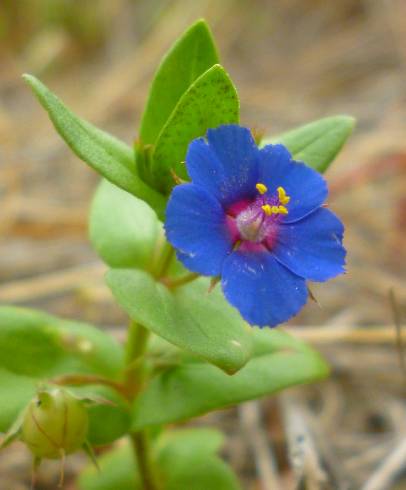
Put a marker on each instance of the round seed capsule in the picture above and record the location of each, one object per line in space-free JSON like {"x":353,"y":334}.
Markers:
{"x":55,"y":424}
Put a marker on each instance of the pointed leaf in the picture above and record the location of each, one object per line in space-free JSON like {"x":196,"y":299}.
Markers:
{"x":191,"y":55}
{"x":210,"y":101}
{"x":88,"y":449}
{"x":190,"y":317}
{"x":194,"y":388}
{"x":107,"y":155}
{"x":123,"y":229}
{"x":318,"y":142}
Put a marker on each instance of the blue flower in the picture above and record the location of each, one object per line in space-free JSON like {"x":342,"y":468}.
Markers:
{"x":255,"y":217}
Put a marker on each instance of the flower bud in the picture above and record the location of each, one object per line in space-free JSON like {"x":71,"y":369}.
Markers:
{"x":55,"y":423}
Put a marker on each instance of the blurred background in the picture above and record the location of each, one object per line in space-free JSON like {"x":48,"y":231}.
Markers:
{"x":292,"y":61}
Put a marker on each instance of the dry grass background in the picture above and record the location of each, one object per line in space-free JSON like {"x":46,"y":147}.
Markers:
{"x":292,"y":61}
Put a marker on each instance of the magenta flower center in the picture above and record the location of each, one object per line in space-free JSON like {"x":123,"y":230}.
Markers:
{"x":257,"y":221}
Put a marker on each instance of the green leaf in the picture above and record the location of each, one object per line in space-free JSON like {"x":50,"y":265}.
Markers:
{"x":123,"y":229}
{"x":107,"y":155}
{"x":36,"y":347}
{"x":188,"y":461}
{"x":189,"y":317}
{"x":194,"y":388}
{"x":191,"y":55}
{"x":201,"y":442}
{"x":210,"y":101}
{"x":117,"y":414}
{"x":118,"y":471}
{"x":185,"y":460}
{"x":317,"y":143}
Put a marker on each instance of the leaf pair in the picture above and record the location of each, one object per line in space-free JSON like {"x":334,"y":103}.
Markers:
{"x":190,"y":93}
{"x":37,"y":347}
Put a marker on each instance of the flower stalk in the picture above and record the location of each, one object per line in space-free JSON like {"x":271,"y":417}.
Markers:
{"x":179,"y":281}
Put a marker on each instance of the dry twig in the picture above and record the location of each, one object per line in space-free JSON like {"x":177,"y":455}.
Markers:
{"x":387,"y":472}
{"x":250,"y":416}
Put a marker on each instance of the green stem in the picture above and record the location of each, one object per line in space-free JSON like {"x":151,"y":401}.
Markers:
{"x":140,"y":444}
{"x":135,"y":370}
{"x":134,"y":378}
{"x":136,"y":344}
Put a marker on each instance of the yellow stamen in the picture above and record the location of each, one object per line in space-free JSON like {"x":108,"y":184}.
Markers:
{"x":267,"y":209}
{"x":261,"y":188}
{"x":283,"y":198}
{"x":270,"y":210}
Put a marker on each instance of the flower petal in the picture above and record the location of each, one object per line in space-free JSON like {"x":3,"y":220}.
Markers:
{"x":312,"y":247}
{"x":196,"y":226}
{"x":227,"y":165}
{"x":306,"y":187}
{"x":265,"y":292}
